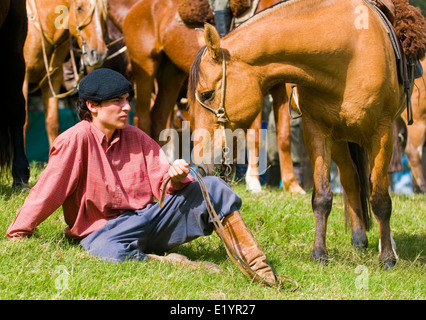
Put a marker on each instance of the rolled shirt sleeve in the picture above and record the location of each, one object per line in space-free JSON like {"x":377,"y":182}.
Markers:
{"x":54,"y":184}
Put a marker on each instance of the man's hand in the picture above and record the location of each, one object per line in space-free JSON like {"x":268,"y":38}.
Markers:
{"x":178,"y":170}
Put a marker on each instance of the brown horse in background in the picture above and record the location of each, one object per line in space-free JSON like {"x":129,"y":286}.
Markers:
{"x":51,"y":24}
{"x":416,"y":133}
{"x":349,"y":91}
{"x":161,"y":49}
{"x":13,"y":30}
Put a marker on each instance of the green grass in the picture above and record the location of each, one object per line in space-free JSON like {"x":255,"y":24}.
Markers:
{"x":49,"y":266}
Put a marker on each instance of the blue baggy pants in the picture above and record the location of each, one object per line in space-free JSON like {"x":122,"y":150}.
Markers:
{"x":152,"y":229}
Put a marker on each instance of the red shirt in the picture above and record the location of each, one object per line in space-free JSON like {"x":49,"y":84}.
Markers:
{"x":95,"y":182}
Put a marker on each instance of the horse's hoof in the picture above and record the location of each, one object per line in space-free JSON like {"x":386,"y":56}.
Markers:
{"x":319,"y":255}
{"x":359,"y":240}
{"x":388,"y":263}
{"x":253,"y":184}
{"x":296,"y":189}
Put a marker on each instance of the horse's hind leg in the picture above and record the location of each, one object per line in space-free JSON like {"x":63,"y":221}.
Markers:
{"x":319,"y":149}
{"x":381,"y":202}
{"x":350,"y":181}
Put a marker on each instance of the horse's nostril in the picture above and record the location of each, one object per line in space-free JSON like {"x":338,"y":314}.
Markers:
{"x":94,"y":54}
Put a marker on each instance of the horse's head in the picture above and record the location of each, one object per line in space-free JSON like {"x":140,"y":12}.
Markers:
{"x":219,"y":116}
{"x":88,"y":24}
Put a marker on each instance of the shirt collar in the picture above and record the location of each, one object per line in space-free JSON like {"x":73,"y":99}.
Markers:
{"x":100,"y":137}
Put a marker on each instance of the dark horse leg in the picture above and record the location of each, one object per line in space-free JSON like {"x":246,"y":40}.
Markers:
{"x":170,"y":80}
{"x":12,"y":36}
{"x":381,"y":203}
{"x":319,"y":149}
{"x":20,"y":165}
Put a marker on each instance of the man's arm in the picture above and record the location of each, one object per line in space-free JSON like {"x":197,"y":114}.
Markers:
{"x":54,"y":184}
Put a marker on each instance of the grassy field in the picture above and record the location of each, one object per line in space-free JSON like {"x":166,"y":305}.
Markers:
{"x":49,"y":266}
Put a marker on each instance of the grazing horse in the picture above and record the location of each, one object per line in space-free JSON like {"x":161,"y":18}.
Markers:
{"x":51,"y":23}
{"x":161,"y":49}
{"x":349,"y":95}
{"x":13,"y":29}
{"x":416,"y":133}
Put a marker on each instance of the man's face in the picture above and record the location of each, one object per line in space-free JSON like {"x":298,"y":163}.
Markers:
{"x":112,"y":114}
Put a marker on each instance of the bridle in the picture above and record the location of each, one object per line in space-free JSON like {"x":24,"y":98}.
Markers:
{"x":220,"y":112}
{"x":222,"y":119}
{"x":86,"y":21}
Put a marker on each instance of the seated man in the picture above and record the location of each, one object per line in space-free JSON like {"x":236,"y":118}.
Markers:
{"x":106,"y":173}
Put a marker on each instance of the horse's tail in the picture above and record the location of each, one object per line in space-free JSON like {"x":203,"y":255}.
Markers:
{"x":360,"y":158}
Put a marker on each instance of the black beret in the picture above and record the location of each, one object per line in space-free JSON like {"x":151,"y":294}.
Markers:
{"x":104,"y":84}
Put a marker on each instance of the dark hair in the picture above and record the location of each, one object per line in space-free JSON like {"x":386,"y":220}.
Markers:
{"x":82,"y":111}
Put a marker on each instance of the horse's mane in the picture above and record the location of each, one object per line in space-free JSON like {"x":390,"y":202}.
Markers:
{"x":410,"y":26}
{"x":103,"y":7}
{"x":194,"y":75}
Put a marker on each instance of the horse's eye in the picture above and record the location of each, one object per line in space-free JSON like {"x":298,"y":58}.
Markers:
{"x":206,"y":95}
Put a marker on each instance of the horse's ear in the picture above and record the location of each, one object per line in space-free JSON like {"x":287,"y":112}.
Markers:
{"x":212,"y":39}
{"x":200,"y":37}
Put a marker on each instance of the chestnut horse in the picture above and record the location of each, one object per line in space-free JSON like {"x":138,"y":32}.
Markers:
{"x":51,"y":23}
{"x":162,"y":48}
{"x":13,"y":29}
{"x":347,"y":80}
{"x":416,"y":133}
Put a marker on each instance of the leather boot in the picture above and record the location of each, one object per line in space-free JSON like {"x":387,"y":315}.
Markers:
{"x":244,"y":243}
{"x":222,"y":21}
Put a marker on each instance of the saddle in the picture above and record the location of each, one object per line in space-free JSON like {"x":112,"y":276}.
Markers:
{"x":387,"y":7}
{"x":197,"y":13}
{"x":407,"y":65}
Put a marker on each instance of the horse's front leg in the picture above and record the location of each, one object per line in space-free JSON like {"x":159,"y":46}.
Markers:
{"x":50,"y":103}
{"x":319,"y":149}
{"x":169,"y":80}
{"x":282,"y":120}
{"x":381,"y":203}
{"x":415,"y":142}
{"x":144,"y":85}
{"x":54,"y":84}
{"x":253,"y":146}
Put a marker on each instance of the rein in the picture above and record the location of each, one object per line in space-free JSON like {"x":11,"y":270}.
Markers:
{"x":34,"y":16}
{"x":222,"y":119}
{"x":232,"y":253}
{"x":95,"y":4}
